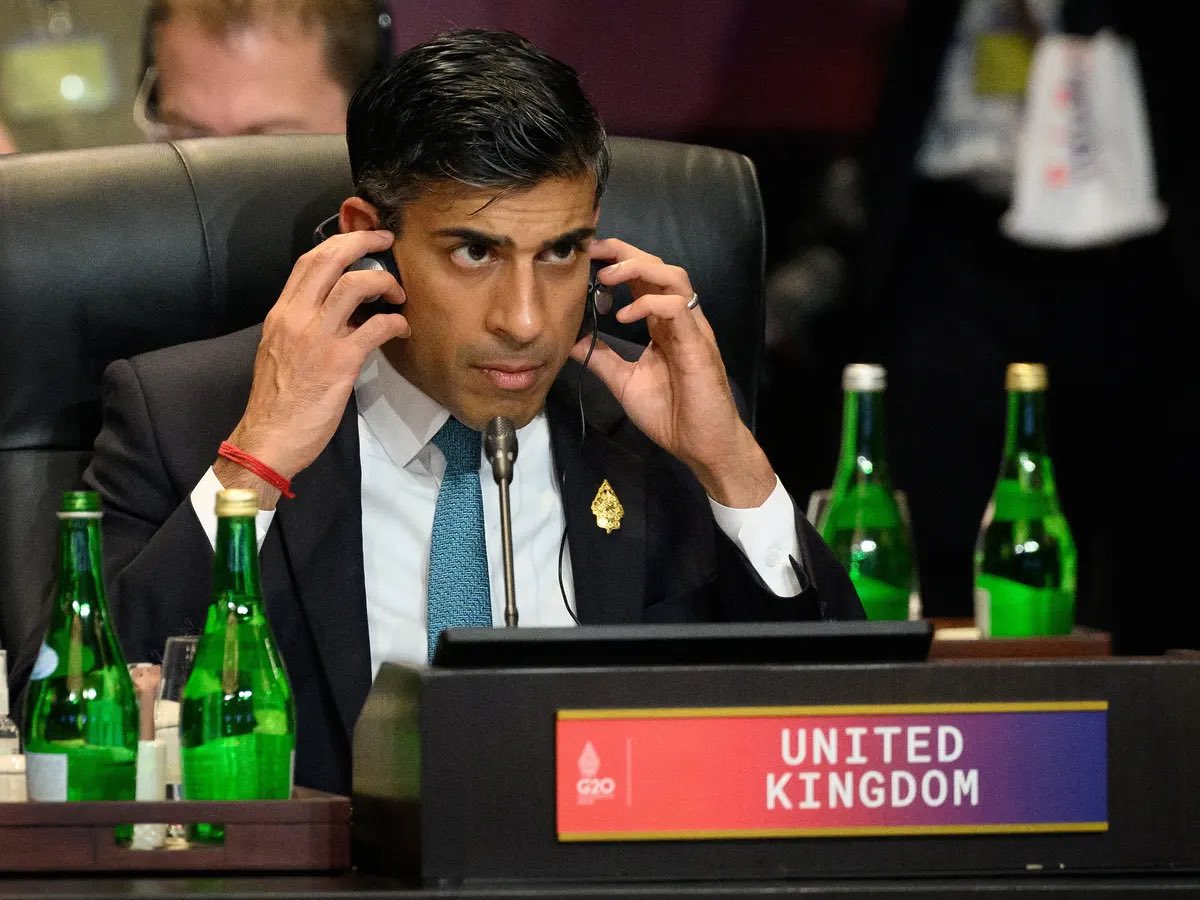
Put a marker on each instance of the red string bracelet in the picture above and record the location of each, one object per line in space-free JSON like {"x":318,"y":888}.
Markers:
{"x":257,"y":466}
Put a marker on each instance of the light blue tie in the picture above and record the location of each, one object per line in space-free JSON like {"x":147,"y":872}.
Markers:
{"x":459,"y":592}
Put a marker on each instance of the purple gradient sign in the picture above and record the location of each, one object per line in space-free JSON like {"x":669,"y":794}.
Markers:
{"x":936,"y":768}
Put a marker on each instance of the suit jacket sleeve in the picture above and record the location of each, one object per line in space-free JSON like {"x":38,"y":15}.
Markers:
{"x":826,"y":589}
{"x":157,"y":559}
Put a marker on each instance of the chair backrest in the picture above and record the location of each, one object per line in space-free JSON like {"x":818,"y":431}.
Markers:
{"x":110,"y":252}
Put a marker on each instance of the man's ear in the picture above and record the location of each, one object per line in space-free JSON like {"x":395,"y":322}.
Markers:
{"x":356,"y":214}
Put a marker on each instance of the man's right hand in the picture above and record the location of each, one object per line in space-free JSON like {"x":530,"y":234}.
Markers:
{"x":309,"y":358}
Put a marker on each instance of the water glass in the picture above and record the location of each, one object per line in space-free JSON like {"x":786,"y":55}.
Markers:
{"x":178,"y":655}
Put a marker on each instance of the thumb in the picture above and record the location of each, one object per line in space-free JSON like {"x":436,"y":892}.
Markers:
{"x":378,"y":330}
{"x":606,"y":363}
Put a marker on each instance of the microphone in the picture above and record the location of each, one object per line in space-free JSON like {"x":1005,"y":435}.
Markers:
{"x":500,"y":447}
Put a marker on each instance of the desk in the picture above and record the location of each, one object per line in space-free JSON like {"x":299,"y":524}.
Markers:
{"x":365,"y":888}
{"x":952,"y":641}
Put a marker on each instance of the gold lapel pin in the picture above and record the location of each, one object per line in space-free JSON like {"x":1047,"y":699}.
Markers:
{"x":607,"y":508}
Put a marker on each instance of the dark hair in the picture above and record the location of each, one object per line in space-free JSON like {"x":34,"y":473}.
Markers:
{"x":480,"y":108}
{"x":355,"y":34}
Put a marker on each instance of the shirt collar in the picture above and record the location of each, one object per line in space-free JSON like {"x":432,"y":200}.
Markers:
{"x":402,"y":418}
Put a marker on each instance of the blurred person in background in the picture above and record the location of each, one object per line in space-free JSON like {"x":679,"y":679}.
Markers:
{"x":951,"y":299}
{"x":6,"y":144}
{"x":229,"y":67}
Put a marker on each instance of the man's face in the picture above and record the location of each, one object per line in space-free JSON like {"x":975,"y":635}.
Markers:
{"x":264,"y":78}
{"x":496,"y":286}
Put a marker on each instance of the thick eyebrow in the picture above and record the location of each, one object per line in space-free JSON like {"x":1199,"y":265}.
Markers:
{"x":578,"y":236}
{"x":495,"y":241}
{"x":274,"y":125}
{"x":471,"y":236}
{"x":179,"y":120}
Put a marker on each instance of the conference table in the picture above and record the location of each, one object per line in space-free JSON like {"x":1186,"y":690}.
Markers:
{"x":957,"y":638}
{"x":365,"y":887}
{"x":1146,"y":847}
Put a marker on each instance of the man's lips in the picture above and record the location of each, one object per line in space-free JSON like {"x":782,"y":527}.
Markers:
{"x":512,"y":376}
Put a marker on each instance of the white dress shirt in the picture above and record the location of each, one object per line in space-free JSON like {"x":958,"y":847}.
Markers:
{"x":401,"y":475}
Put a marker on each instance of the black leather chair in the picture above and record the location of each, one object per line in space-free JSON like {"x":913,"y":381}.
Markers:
{"x":111,"y":252}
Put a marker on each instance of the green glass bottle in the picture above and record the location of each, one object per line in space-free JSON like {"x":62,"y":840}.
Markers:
{"x":1025,"y":561}
{"x":237,"y":721}
{"x":81,"y":712}
{"x":862,"y":523}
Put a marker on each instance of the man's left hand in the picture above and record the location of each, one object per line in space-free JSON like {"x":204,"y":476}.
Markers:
{"x":677,"y":392}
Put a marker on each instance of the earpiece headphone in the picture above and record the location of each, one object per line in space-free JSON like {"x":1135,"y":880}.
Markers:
{"x":600,"y":298}
{"x":383,"y":50}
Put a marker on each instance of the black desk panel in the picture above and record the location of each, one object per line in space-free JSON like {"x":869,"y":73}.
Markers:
{"x":357,"y":887}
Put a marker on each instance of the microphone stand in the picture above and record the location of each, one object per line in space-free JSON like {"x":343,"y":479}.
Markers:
{"x":510,"y":589}
{"x":500,"y":447}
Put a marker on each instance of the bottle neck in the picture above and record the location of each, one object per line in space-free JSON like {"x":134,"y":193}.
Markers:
{"x":1025,"y":428}
{"x":80,"y":567}
{"x":863,"y":457}
{"x":236,"y":582}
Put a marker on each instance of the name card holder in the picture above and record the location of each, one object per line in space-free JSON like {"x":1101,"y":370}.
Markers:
{"x":485,"y":775}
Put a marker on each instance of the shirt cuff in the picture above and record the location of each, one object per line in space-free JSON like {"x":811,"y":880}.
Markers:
{"x":767,"y":537}
{"x":204,"y":503}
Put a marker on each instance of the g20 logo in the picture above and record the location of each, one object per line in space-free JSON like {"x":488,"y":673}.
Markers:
{"x":590,"y":788}
{"x":595,"y":787}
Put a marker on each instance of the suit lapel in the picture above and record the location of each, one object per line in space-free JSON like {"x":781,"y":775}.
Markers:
{"x":609,"y":569}
{"x":321,"y":532}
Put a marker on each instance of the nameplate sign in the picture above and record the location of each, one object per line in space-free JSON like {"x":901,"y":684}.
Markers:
{"x":833,"y":771}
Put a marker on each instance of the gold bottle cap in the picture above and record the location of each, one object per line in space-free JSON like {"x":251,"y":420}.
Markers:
{"x":864,"y":377}
{"x":1025,"y":377}
{"x":237,"y":502}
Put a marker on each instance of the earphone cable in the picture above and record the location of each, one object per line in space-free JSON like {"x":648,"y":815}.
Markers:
{"x":562,"y":482}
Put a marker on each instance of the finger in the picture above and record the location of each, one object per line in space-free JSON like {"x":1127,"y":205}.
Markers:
{"x":702,"y":321}
{"x":352,"y":289}
{"x":317,"y":271}
{"x":378,"y":330}
{"x":613,"y":249}
{"x":630,"y":262}
{"x":605,"y":362}
{"x":665,"y":309}
{"x":647,"y":274}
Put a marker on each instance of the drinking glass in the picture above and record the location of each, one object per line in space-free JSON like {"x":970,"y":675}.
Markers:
{"x":178,"y":655}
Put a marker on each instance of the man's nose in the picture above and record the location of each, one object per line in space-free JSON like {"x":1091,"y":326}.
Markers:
{"x":517,"y":309}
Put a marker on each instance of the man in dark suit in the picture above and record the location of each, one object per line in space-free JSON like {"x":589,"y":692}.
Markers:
{"x":479,"y":165}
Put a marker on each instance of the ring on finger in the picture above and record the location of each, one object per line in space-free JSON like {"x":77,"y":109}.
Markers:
{"x":694,"y":302}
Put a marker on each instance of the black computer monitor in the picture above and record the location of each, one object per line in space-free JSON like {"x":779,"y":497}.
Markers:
{"x":784,"y":643}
